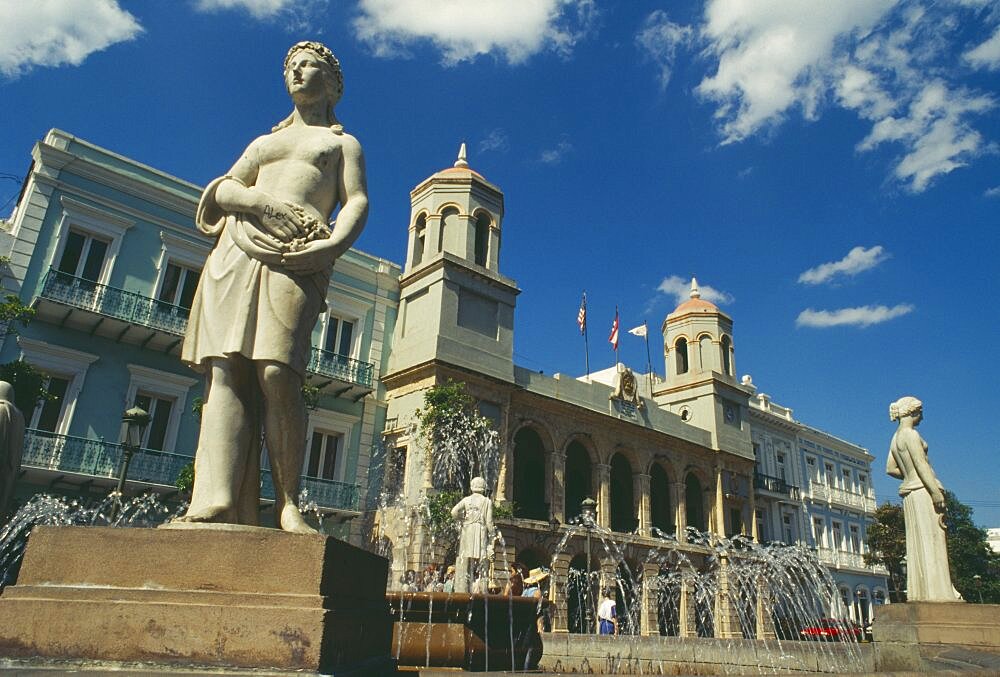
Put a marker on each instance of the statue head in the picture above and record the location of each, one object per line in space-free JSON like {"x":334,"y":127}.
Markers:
{"x":6,"y":392}
{"x":904,"y":406}
{"x":333,"y":78}
{"x":478,"y":485}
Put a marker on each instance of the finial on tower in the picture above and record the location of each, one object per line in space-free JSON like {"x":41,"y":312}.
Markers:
{"x":461,"y":161}
{"x":695,"y":292}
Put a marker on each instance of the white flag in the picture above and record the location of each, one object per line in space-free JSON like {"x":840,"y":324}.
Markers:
{"x":638,"y":331}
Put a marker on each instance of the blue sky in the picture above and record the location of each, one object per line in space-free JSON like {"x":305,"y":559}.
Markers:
{"x":829,"y":171}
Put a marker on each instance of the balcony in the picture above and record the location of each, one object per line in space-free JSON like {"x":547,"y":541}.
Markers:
{"x":82,"y":461}
{"x":124,"y":316}
{"x":775,"y":485}
{"x":822,"y":492}
{"x":842,"y":560}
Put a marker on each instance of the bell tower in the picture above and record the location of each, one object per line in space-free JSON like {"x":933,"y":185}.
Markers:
{"x":700,"y":382}
{"x":455,"y":305}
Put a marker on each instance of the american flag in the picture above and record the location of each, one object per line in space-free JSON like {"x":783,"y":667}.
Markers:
{"x":581,"y":317}
{"x":614,"y":332}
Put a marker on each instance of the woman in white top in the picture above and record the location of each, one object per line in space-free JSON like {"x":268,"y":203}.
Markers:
{"x":607,"y":614}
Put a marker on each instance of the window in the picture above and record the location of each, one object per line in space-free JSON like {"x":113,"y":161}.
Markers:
{"x":819,"y":532}
{"x":761,"y":532}
{"x":178,"y":287}
{"x":812,"y":469}
{"x":449,"y":222}
{"x":419,"y":239}
{"x":339,"y":336}
{"x":48,"y":412}
{"x":855,"y":538}
{"x":159,"y":409}
{"x":681,"y":355}
{"x":163,"y":395}
{"x":735,"y":521}
{"x":88,"y":241}
{"x":789,"y":528}
{"x":838,"y":536}
{"x":863,"y":484}
{"x":482,"y":244}
{"x":83,"y":256}
{"x":781,"y":467}
{"x":67,"y":369}
{"x":324,"y":450}
{"x":831,"y":479}
{"x":727,"y":361}
{"x":848,"y":485}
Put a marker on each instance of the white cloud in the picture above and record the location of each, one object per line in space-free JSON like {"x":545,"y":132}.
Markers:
{"x":774,"y":54}
{"x":463,"y":30}
{"x":659,"y":40}
{"x":58,"y":32}
{"x":552,"y":156}
{"x":258,"y":9}
{"x":986,"y":55}
{"x":495,"y":141}
{"x":992,"y":192}
{"x":680,"y":289}
{"x":857,"y":260}
{"x":862,"y":316}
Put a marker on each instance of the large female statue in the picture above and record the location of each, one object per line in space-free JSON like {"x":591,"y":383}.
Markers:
{"x":927,"y":575}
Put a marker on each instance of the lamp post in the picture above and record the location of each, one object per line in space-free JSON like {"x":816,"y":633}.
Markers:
{"x":135,"y":419}
{"x":978,"y":580}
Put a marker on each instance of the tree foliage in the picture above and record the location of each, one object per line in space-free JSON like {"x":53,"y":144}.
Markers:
{"x":28,"y":382}
{"x":969,"y":554}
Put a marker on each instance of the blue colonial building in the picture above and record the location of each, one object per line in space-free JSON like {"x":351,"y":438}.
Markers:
{"x":106,"y":252}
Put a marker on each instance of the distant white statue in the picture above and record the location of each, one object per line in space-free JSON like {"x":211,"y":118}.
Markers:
{"x":11,"y":445}
{"x":927,"y":575}
{"x":475,"y":541}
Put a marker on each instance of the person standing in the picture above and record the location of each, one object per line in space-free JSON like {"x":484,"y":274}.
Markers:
{"x":607,"y":613}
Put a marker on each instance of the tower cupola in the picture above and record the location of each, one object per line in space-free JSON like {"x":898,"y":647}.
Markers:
{"x":698,"y":339}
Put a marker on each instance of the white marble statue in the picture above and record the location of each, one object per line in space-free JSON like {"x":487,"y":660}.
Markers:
{"x":262,"y":289}
{"x":476,"y":533}
{"x":11,"y":445}
{"x":927,"y":575}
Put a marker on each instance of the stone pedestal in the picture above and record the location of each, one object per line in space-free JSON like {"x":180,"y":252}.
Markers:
{"x":937,"y":636}
{"x":227,"y":596}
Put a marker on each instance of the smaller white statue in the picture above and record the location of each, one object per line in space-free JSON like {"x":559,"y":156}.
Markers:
{"x":11,"y":445}
{"x":475,"y":541}
{"x":927,"y":575}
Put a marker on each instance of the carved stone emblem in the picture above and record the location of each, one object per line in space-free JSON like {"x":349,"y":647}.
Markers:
{"x":626,"y":387}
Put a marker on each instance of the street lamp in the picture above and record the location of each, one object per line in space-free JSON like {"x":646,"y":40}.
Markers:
{"x":135,"y":419}
{"x":588,"y":518}
{"x":979,"y":586}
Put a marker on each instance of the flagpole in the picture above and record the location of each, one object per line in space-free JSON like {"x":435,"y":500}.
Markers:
{"x":586,"y":342}
{"x":617,"y":322}
{"x":649,"y":360}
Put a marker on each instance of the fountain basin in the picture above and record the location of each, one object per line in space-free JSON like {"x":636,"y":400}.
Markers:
{"x":462,"y":630}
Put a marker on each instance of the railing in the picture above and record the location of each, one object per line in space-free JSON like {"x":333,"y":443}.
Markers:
{"x":332,"y":365}
{"x":172,"y":319}
{"x":775,"y":485}
{"x":122,"y":305}
{"x":840,"y":559}
{"x":824,"y":492}
{"x":97,"y":458}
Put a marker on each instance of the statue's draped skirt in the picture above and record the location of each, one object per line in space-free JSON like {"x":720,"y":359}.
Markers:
{"x":927,"y":576}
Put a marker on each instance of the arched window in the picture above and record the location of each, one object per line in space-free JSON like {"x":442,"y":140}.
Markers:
{"x":659,"y":500}
{"x":419,"y":238}
{"x":681,"y":355}
{"x":727,"y":358}
{"x":578,"y":478}
{"x":482,"y":238}
{"x":529,"y":475}
{"x":705,"y":352}
{"x":695,"y":503}
{"x":449,"y":221}
{"x":622,"y":506}
{"x":581,"y":599}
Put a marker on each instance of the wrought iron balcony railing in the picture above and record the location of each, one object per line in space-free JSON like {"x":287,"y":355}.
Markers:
{"x":115,"y":303}
{"x":137,"y":310}
{"x":775,"y":485}
{"x":332,"y":365}
{"x":97,"y":458}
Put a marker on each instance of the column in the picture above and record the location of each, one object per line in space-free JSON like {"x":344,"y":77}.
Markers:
{"x":754,"y":536}
{"x":681,"y":504}
{"x":640,"y":489}
{"x":726,"y":619}
{"x":503,"y":475}
{"x":686,"y":610}
{"x":649,"y":623}
{"x":765,"y":621}
{"x":604,"y":495}
{"x":557,"y":507}
{"x":557,"y":592}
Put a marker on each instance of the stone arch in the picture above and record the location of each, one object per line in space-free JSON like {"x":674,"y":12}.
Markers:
{"x":419,"y":237}
{"x":726,"y":353}
{"x":529,"y":490}
{"x":682,"y":358}
{"x":448,"y":223}
{"x":482,"y":224}
{"x":661,"y":510}
{"x":694,"y":498}
{"x":622,"y":508}
{"x":578,"y":477}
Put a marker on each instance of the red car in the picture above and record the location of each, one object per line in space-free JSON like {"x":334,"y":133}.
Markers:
{"x":831,"y":630}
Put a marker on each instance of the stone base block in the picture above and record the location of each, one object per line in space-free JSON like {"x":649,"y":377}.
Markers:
{"x":937,"y":635}
{"x":244,"y":597}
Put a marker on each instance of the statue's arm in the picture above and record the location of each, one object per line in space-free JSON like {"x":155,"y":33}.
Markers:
{"x":915,"y":449}
{"x":892,"y":465}
{"x":489,"y":517}
{"x":458,"y":509}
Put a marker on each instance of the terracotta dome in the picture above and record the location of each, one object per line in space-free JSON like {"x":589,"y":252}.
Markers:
{"x":695,"y":303}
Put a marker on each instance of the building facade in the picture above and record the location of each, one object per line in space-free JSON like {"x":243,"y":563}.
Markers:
{"x":106,"y":252}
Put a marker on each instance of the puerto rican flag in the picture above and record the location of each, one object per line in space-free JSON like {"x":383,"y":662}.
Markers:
{"x":613,"y":339}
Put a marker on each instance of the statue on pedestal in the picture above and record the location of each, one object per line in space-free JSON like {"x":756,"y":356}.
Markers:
{"x":11,"y":445}
{"x":262,"y":289}
{"x":927,"y":575}
{"x":475,"y":541}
